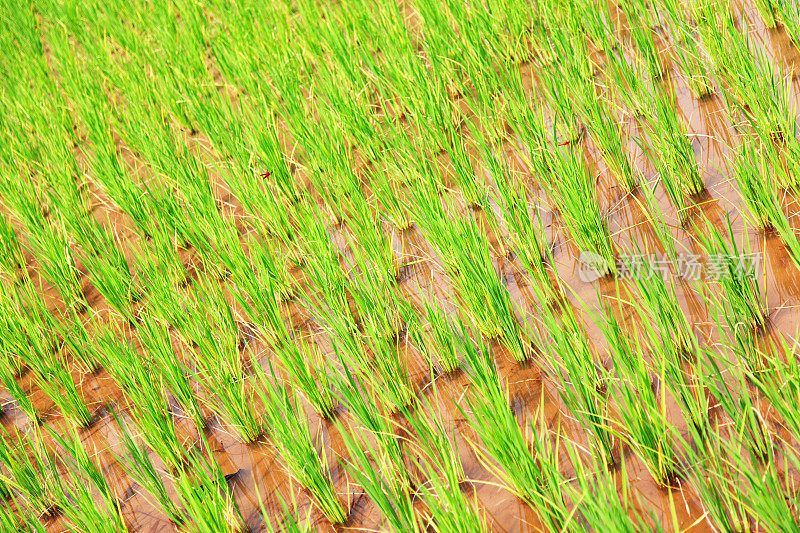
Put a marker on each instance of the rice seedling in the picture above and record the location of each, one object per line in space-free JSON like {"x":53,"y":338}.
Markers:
{"x":79,"y":505}
{"x":140,"y":467}
{"x":155,"y":338}
{"x":525,"y":231}
{"x":599,"y":504}
{"x":768,"y":9}
{"x":53,"y":370}
{"x":446,"y":335}
{"x":729,"y":388}
{"x":576,"y":198}
{"x":30,"y":470}
{"x":9,"y":381}
{"x":644,"y":415}
{"x":382,"y":483}
{"x":290,"y":431}
{"x":658,"y":304}
{"x":10,"y":250}
{"x":305,"y":365}
{"x":730,"y":264}
{"x":777,"y":379}
{"x":290,"y":523}
{"x":688,"y":52}
{"x":646,"y":49}
{"x":434,"y":445}
{"x":607,"y":132}
{"x":206,"y":499}
{"x":107,"y":266}
{"x":219,"y":367}
{"x":758,"y":191}
{"x":628,"y":80}
{"x":503,"y":448}
{"x":583,"y":385}
{"x":717,"y":482}
{"x":482,"y":291}
{"x":387,"y":450}
{"x":671,"y":151}
{"x":599,"y":23}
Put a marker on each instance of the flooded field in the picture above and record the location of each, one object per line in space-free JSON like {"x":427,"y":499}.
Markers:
{"x":452,"y":266}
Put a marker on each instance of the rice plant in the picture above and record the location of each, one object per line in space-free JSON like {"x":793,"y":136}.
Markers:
{"x":290,"y":431}
{"x":583,"y":385}
{"x":576,"y":198}
{"x":140,"y":467}
{"x":30,"y":469}
{"x":731,"y":265}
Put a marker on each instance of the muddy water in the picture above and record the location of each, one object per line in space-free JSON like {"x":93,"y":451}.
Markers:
{"x":532,"y":389}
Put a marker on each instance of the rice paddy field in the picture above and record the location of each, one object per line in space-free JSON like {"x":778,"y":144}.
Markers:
{"x":399,"y":265}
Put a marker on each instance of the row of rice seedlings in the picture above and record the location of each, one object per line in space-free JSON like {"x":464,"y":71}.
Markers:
{"x":575,"y":195}
{"x":140,"y":467}
{"x":583,"y":385}
{"x":290,"y":431}
{"x":84,"y":478}
{"x":144,"y":391}
{"x":31,"y":472}
{"x":743,"y":297}
{"x":108,"y":170}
